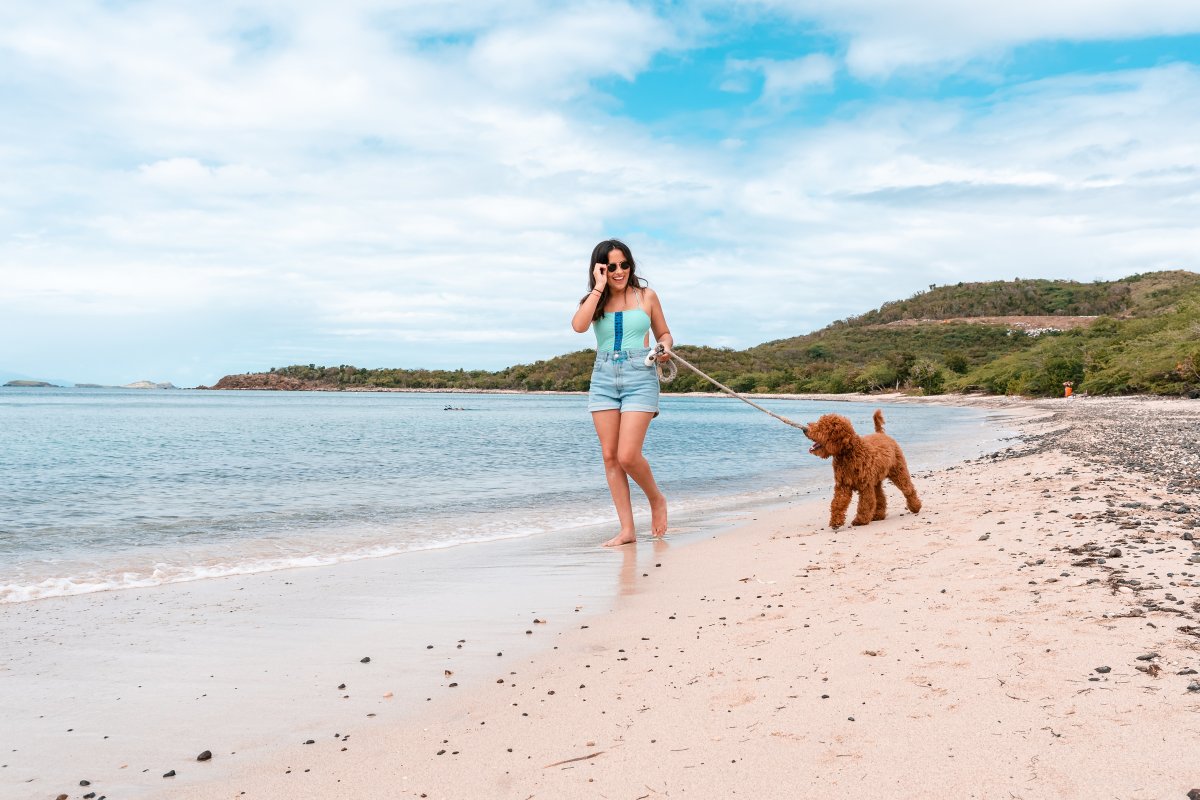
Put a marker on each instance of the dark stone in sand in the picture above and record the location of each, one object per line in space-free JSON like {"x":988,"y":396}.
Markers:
{"x":1104,"y":670}
{"x":89,"y":796}
{"x":1114,"y":553}
{"x":1194,"y":794}
{"x":365,"y":660}
{"x":170,"y":774}
{"x":310,"y":741}
{"x":1188,"y":536}
{"x":1194,"y":687}
{"x":1188,"y":671}
{"x":85,"y":783}
{"x":1147,"y":657}
{"x":205,"y":756}
{"x":341,"y":686}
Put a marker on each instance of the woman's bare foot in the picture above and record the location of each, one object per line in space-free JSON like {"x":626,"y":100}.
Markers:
{"x":624,"y":537}
{"x":658,"y":515}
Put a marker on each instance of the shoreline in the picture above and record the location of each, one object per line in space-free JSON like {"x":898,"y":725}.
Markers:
{"x":174,"y":560}
{"x":625,"y":688}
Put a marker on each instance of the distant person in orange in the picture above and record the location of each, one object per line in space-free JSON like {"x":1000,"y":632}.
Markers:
{"x":1067,"y":390}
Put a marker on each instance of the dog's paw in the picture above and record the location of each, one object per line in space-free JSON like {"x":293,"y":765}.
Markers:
{"x":860,"y":522}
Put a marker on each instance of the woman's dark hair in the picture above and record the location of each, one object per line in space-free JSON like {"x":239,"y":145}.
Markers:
{"x":600,"y":256}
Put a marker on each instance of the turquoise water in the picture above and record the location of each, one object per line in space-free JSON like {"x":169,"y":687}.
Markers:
{"x":104,"y":489}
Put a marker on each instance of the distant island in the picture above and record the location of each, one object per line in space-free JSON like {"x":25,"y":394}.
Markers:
{"x":149,"y":385}
{"x":26,"y":384}
{"x":1136,"y":335}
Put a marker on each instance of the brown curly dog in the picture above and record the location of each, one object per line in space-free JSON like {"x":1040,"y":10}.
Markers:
{"x":860,"y":464}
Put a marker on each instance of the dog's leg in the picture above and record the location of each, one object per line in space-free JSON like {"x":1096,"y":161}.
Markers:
{"x":899,"y":476}
{"x":880,"y":502}
{"x":837,"y":509}
{"x":866,"y":506}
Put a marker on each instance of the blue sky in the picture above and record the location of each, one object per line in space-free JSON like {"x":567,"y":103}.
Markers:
{"x":190,"y":190}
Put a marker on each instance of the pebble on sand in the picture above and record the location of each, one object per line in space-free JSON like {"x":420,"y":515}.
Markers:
{"x":205,"y":756}
{"x":170,"y":774}
{"x":365,"y":660}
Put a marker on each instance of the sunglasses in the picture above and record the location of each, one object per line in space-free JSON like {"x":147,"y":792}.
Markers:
{"x":623,"y":265}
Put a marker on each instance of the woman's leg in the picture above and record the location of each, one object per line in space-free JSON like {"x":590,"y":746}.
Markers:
{"x":608,"y":428}
{"x":630,"y":459}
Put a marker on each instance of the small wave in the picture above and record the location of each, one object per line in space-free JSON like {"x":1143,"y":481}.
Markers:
{"x":104,"y":580}
{"x":90,"y":578}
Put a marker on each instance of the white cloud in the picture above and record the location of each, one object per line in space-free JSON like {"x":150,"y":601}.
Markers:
{"x":885,"y":36}
{"x":352,"y":186}
{"x":782,"y":80}
{"x":552,"y":54}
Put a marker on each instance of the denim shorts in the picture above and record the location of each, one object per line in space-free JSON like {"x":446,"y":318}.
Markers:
{"x":621,"y":381}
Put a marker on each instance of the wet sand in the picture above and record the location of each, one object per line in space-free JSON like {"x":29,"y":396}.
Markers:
{"x":1032,"y":633}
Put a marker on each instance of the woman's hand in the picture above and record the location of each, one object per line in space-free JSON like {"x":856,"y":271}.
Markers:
{"x":600,"y":273}
{"x":665,"y":355}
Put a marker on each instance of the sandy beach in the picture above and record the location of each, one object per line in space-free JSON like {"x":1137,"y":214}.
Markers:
{"x":1033,"y":633}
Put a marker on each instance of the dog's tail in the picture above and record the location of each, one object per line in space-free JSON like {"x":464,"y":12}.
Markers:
{"x":879,"y":420}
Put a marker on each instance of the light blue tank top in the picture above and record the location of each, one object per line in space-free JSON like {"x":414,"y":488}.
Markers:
{"x":622,"y":330}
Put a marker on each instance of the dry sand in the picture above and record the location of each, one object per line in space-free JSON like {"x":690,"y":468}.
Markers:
{"x":1031,"y":634}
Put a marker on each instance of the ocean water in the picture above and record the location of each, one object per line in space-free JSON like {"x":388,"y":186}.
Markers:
{"x":107,"y":489}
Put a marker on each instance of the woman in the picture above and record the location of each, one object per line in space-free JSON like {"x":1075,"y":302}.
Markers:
{"x":624,"y":391}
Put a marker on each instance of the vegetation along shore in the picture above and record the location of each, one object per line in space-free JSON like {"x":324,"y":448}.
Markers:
{"x":1137,"y":335}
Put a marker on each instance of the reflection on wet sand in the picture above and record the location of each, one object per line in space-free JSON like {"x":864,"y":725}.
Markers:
{"x":628,"y":576}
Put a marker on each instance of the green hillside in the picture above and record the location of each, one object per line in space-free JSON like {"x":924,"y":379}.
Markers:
{"x":1156,"y":350}
{"x":1137,"y":335}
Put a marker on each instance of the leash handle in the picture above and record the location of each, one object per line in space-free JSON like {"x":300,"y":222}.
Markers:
{"x":653,"y":355}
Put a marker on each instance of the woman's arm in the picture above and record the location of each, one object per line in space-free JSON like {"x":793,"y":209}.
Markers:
{"x":658,"y":324}
{"x":587,"y":309}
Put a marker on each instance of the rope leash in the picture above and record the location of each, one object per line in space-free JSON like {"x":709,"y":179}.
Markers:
{"x":668,"y":375}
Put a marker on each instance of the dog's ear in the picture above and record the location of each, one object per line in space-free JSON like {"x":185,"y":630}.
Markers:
{"x":840,"y":434}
